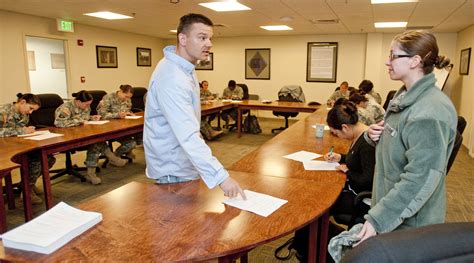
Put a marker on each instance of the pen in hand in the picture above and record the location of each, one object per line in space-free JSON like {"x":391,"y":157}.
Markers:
{"x":331,"y":151}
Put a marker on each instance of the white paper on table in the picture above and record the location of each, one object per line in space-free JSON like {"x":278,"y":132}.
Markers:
{"x":34,"y":133}
{"x":133,"y":117}
{"x":236,"y":101}
{"x":326,"y":128}
{"x":44,"y":136}
{"x":302,"y":156}
{"x":96,"y":122}
{"x":226,"y":100}
{"x":320,"y":166}
{"x":260,"y":204}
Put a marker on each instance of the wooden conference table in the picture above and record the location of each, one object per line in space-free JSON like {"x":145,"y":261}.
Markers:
{"x":187,"y":222}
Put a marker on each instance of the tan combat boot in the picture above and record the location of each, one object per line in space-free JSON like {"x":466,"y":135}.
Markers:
{"x":114,"y":159}
{"x":91,"y":177}
{"x":35,"y":199}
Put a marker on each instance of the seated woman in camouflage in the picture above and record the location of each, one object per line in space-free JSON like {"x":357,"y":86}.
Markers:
{"x":118,"y":105}
{"x":15,"y":121}
{"x":74,"y":113}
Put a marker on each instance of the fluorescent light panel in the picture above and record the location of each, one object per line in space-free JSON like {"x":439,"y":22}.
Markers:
{"x":108,"y":15}
{"x":390,"y":24}
{"x":225,"y":6}
{"x":174,"y":31}
{"x":276,"y":28}
{"x":374,"y":2}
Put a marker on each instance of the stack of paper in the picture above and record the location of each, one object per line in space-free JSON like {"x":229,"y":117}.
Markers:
{"x":96,"y":122}
{"x":260,"y":204}
{"x":34,"y":133}
{"x":302,"y":156}
{"x":51,"y":230}
{"x":133,"y":117}
{"x":44,"y":136}
{"x":320,"y":165}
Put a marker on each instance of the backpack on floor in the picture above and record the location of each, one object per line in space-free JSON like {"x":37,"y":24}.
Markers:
{"x":251,"y":125}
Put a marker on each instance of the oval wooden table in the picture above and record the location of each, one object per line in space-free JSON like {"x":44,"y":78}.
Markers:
{"x":188,"y":222}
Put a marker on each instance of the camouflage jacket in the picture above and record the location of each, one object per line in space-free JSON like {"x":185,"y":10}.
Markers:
{"x":69,"y":115}
{"x":12,"y":122}
{"x":110,"y":106}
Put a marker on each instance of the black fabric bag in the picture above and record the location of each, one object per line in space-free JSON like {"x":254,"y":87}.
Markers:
{"x":251,"y":125}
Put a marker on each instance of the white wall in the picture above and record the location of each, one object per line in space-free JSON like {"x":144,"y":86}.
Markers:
{"x":45,"y":79}
{"x":81,"y":60}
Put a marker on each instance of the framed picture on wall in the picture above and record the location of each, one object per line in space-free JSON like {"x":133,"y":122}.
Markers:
{"x":143,"y":57}
{"x":321,"y":64}
{"x":106,"y":57}
{"x":257,"y":63}
{"x":206,"y":64}
{"x":464,"y":61}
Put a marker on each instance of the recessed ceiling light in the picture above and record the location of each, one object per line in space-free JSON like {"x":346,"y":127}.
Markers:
{"x":374,"y":2}
{"x":174,"y":31}
{"x":276,"y":28}
{"x":390,"y":24}
{"x":225,"y":6}
{"x":108,"y":15}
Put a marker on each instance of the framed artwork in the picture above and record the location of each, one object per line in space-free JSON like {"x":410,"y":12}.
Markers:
{"x":57,"y":61}
{"x":464,"y":61}
{"x":31,"y":60}
{"x":106,"y":57}
{"x":206,"y":64}
{"x":257,"y":63}
{"x":143,"y":57}
{"x":321,"y":64}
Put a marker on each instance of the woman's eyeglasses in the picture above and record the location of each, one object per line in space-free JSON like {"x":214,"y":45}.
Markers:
{"x":395,"y":56}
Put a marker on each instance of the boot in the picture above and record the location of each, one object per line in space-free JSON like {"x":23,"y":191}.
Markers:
{"x":91,"y":177}
{"x":114,"y":159}
{"x":131,"y":155}
{"x":35,"y":199}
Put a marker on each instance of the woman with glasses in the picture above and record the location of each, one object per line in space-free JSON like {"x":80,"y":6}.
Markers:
{"x":414,"y":141}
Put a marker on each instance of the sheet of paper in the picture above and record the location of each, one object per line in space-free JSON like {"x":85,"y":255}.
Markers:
{"x":260,"y":204}
{"x":235,"y":101}
{"x":34,"y":133}
{"x":320,"y":166}
{"x":133,"y":117}
{"x":95,"y":122}
{"x":44,"y":136}
{"x":326,"y":128}
{"x":302,"y":156}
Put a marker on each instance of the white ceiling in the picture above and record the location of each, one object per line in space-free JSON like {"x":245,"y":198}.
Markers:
{"x":157,"y":17}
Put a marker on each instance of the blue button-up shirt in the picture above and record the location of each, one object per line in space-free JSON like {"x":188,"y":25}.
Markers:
{"x":172,"y":140}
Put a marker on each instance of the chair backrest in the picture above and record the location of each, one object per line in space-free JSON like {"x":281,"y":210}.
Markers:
{"x":245,"y":89}
{"x":97,"y":96}
{"x":456,"y":147}
{"x":461,"y":124}
{"x":44,"y":116}
{"x":138,"y":98}
{"x":287,"y":93}
{"x":253,"y":97}
{"x":389,"y":98}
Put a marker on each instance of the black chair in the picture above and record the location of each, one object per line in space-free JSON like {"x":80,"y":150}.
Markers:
{"x":286,"y":115}
{"x":138,"y":101}
{"x":44,"y":117}
{"x":461,"y":124}
{"x":389,"y":98}
{"x":97,"y":96}
{"x":451,"y":242}
{"x":245,"y":97}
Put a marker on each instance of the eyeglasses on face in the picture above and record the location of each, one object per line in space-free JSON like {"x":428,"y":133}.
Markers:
{"x":395,"y":56}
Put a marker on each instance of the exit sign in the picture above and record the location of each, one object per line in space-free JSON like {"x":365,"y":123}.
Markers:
{"x":64,"y":25}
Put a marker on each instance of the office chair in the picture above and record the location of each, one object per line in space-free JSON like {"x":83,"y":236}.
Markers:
{"x":288,"y":93}
{"x":245,"y":97}
{"x":138,"y":99}
{"x":389,"y":98}
{"x":450,"y":242}
{"x":43,"y":118}
{"x":97,"y":96}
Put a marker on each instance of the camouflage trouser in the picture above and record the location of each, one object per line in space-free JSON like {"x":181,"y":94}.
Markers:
{"x":34,"y":165}
{"x":226,"y":113}
{"x":206,"y":130}
{"x":138,"y":138}
{"x":126,"y":145}
{"x":93,"y":153}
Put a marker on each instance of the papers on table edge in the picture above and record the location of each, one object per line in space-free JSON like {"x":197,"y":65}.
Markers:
{"x":320,"y":165}
{"x":260,"y":204}
{"x":302,"y":156}
{"x":51,"y":230}
{"x":44,"y":136}
{"x":96,"y":122}
{"x":133,"y":117}
{"x":33,"y":134}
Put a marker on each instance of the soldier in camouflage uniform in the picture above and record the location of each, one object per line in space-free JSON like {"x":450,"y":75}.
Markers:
{"x":74,"y":113}
{"x":117,"y":106}
{"x":15,"y":120}
{"x":361,"y":102}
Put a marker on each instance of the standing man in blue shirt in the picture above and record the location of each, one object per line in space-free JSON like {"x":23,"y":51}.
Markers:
{"x":174,"y":149}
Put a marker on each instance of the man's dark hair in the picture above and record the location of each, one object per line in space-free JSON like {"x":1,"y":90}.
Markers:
{"x":186,"y":21}
{"x":231,"y":84}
